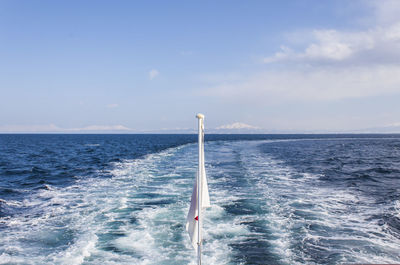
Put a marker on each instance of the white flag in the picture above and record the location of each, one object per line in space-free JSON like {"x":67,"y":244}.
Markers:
{"x":192,"y":218}
{"x":193,"y":224}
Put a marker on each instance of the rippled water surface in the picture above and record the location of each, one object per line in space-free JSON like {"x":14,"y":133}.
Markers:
{"x":123,"y":199}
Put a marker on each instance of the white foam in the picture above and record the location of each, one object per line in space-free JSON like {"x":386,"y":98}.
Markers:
{"x":397,"y":208}
{"x":324,"y":206}
{"x":145,"y":203}
{"x":77,"y":252}
{"x":88,"y":209}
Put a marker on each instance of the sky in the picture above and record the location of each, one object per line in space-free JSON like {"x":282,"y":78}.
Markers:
{"x":151,"y":66}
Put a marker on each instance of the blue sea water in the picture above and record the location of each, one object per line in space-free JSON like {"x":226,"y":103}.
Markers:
{"x":123,"y":199}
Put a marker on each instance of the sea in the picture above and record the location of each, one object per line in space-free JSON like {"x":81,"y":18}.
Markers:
{"x":123,"y":199}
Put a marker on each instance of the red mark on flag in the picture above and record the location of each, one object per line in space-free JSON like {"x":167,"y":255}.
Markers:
{"x":196,"y":218}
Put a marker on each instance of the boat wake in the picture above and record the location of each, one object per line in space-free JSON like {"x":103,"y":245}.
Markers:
{"x":263,"y":211}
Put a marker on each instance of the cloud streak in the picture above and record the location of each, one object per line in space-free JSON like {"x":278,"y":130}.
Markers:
{"x":236,"y":125}
{"x":54,"y":128}
{"x":311,"y":84}
{"x":112,"y":106}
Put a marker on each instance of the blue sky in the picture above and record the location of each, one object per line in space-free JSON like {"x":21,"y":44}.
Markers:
{"x":150,"y":66}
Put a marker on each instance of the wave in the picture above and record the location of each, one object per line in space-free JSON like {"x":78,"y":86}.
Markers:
{"x":322,"y":223}
{"x":135,"y":217}
{"x":263,"y":211}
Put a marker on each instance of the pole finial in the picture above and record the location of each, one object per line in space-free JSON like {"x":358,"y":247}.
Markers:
{"x":200,"y":116}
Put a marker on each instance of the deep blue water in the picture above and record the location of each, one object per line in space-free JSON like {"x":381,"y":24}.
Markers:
{"x":123,"y":199}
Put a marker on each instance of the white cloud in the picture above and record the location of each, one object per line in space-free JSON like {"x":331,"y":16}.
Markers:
{"x":30,"y":128}
{"x":153,"y":74}
{"x":55,"y":128}
{"x":393,"y":124}
{"x":373,"y":46}
{"x":378,"y":43}
{"x":186,"y":53}
{"x":333,"y":64}
{"x":101,"y":128}
{"x":311,"y":84}
{"x":385,"y":11}
{"x":112,"y":106}
{"x":236,"y":125}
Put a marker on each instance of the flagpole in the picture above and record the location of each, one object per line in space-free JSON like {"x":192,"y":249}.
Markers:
{"x":199,"y":186}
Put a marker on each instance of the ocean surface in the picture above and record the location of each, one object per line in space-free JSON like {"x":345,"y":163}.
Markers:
{"x":123,"y":199}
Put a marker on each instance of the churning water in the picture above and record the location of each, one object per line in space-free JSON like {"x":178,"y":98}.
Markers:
{"x":123,"y":199}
